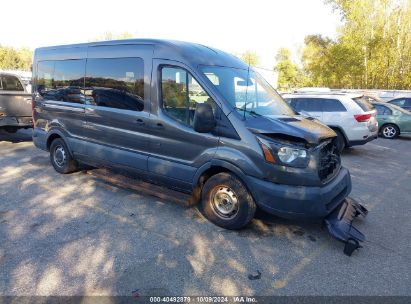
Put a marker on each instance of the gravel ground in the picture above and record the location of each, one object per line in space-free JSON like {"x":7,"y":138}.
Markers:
{"x":79,"y":234}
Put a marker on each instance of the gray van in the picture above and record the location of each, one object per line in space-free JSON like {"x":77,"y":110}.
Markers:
{"x":194,"y":119}
{"x":15,"y":103}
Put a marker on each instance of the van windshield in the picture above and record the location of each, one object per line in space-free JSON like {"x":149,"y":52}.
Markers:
{"x":247,"y":91}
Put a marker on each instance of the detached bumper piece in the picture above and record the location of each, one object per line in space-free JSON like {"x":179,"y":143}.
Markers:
{"x":339,"y":224}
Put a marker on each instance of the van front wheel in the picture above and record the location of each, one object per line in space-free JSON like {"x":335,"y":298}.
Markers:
{"x":226,"y":202}
{"x":60,"y":157}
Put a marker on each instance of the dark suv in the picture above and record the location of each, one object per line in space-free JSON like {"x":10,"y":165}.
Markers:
{"x":191,"y":118}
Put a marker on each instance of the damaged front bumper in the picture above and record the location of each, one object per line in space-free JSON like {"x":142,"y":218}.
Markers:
{"x":339,"y":224}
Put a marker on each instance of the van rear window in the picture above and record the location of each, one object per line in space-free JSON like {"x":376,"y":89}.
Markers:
{"x":364,"y":104}
{"x":61,"y":80}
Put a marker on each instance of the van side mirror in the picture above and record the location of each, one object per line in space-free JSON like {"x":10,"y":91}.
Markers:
{"x":204,"y":120}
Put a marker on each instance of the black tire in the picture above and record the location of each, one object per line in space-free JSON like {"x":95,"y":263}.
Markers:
{"x":227,"y":189}
{"x":11,"y":129}
{"x":340,"y":141}
{"x":60,"y":157}
{"x":389,"y":131}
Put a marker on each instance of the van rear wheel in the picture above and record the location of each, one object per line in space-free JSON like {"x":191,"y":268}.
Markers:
{"x":226,"y":202}
{"x":60,"y":157}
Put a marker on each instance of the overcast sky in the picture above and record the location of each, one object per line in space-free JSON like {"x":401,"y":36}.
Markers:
{"x":231,"y":25}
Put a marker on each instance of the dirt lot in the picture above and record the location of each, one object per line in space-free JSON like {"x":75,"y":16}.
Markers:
{"x":81,"y":235}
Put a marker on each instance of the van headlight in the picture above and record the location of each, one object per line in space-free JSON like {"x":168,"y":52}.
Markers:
{"x":293,"y":156}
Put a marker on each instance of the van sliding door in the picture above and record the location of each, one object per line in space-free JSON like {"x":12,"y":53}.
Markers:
{"x":118,"y":104}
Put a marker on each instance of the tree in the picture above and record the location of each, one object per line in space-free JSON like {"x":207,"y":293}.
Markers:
{"x":289,"y":75}
{"x":372,"y":50}
{"x":15,"y":59}
{"x":25,"y":59}
{"x":250,"y":57}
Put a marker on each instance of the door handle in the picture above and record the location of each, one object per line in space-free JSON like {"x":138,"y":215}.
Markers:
{"x":159,"y":126}
{"x":139,"y":122}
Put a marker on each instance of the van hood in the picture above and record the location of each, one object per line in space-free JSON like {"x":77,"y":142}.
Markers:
{"x":307,"y":129}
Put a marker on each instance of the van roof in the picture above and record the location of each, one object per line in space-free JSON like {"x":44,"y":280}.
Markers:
{"x":192,"y":53}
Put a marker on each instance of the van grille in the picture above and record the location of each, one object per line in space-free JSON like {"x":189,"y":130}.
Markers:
{"x":329,"y":162}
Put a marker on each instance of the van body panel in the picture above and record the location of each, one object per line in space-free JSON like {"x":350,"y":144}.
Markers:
{"x":69,"y":118}
{"x":112,"y":156}
{"x":116,"y":129}
{"x":40,"y":139}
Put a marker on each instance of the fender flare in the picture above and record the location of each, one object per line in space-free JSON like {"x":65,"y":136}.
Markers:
{"x":222,"y":164}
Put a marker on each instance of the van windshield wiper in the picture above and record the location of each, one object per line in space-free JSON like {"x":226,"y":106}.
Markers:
{"x":248,"y":111}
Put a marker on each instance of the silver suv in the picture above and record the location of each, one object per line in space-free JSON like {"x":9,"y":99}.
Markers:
{"x":351,"y":116}
{"x":15,"y":103}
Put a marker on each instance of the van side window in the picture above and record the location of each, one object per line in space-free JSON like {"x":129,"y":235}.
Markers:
{"x":10,"y":83}
{"x":180,"y":94}
{"x":45,"y":70}
{"x":115,"y":83}
{"x":68,"y":80}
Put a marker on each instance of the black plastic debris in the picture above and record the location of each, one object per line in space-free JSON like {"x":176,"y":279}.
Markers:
{"x":339,"y":224}
{"x":255,"y":277}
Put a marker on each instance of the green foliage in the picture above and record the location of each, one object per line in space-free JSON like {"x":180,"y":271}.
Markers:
{"x":289,"y":75}
{"x":250,"y":57}
{"x":373,"y":49}
{"x":15,"y":59}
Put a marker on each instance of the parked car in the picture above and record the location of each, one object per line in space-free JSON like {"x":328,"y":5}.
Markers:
{"x":403,"y":102}
{"x":392,"y":120}
{"x":142,"y":112}
{"x":15,"y":103}
{"x":388,"y":95}
{"x":352,"y":117}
